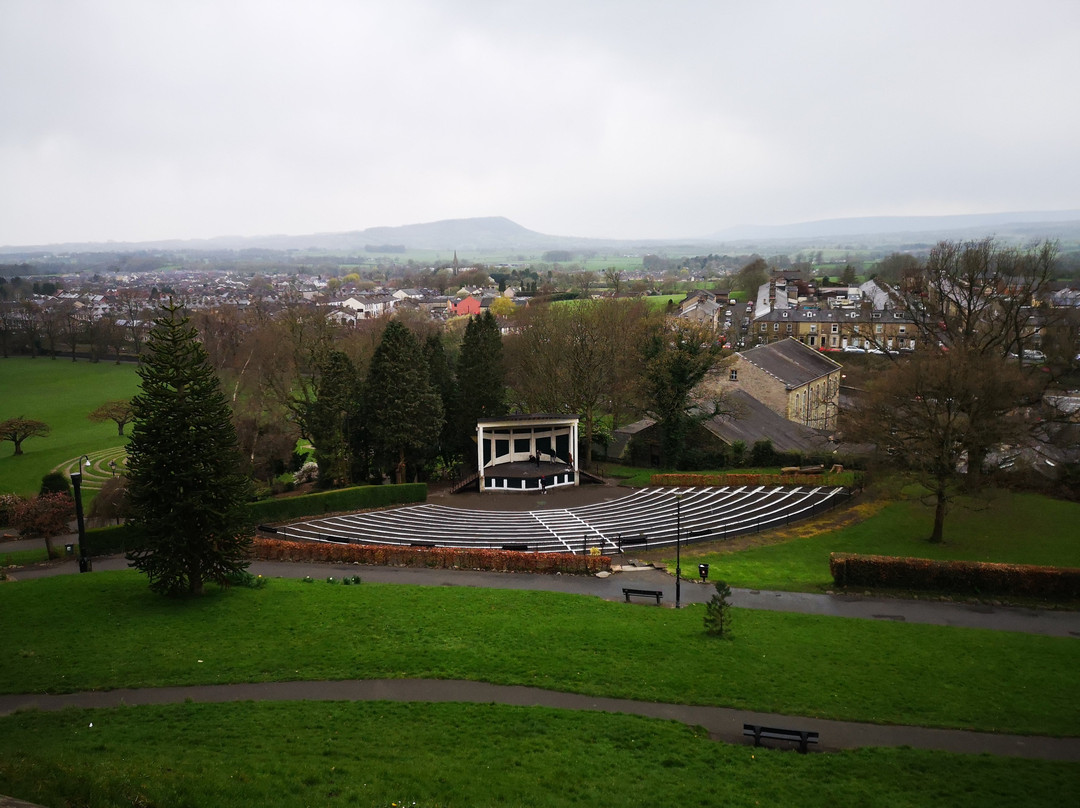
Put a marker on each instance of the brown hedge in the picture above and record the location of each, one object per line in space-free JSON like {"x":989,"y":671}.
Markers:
{"x":431,"y":557}
{"x":962,"y":577}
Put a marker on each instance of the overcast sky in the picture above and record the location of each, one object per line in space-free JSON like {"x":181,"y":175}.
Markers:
{"x":604,"y":118}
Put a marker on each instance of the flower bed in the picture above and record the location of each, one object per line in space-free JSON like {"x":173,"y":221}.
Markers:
{"x":431,"y":557}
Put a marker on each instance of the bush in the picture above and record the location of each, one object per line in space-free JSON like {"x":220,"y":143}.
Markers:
{"x":307,"y":473}
{"x":961,"y":577}
{"x":9,"y":503}
{"x":717,"y":611}
{"x":55,"y":483}
{"x":111,"y":540}
{"x":430,"y":557}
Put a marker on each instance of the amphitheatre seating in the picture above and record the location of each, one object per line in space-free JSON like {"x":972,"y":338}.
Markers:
{"x":646,"y":516}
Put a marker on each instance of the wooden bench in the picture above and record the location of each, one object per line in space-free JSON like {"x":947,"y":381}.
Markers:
{"x":643,"y":593}
{"x":802,"y":737}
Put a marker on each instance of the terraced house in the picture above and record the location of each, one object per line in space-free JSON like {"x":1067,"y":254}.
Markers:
{"x":838,"y":329}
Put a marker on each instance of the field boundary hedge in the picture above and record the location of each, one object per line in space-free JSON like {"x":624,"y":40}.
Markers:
{"x":962,"y":577}
{"x":430,"y":557}
{"x":120,"y":538}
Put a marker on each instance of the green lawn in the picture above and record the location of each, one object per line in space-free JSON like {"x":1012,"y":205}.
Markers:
{"x":61,"y":393}
{"x":106,"y":630}
{"x":1016,"y":528}
{"x":470,"y":755}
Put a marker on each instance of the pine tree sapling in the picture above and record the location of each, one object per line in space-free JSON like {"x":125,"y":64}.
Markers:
{"x":718,"y":611}
{"x":186,"y":489}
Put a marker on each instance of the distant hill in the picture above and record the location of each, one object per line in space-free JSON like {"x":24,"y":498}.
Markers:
{"x":499,"y":234}
{"x":934,"y":227}
{"x":476,"y":234}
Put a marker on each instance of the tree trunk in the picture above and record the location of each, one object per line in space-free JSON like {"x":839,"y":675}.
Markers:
{"x":939,"y":518}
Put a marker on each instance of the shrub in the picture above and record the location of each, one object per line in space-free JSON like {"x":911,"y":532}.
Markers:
{"x":110,"y":540}
{"x":55,"y":483}
{"x":718,"y":611}
{"x":8,"y":505}
{"x":307,"y":473}
{"x":961,"y":577}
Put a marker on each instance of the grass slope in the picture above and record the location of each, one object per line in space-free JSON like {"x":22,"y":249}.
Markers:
{"x":848,"y":669}
{"x":1015,"y":528}
{"x":61,"y":393}
{"x":381,"y":754}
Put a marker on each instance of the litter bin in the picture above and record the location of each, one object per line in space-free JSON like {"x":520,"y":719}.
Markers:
{"x":703,"y":571}
{"x":69,"y":549}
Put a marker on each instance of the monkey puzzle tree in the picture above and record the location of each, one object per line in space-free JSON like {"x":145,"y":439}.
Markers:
{"x":186,"y":488}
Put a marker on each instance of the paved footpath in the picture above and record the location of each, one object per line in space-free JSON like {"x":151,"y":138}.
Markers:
{"x":722,"y":724}
{"x":964,"y":615}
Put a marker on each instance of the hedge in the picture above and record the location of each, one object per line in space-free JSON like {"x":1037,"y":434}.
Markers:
{"x":431,"y":557}
{"x":962,"y":577}
{"x":843,"y":478}
{"x":119,"y":538}
{"x":342,"y":499}
{"x":110,"y":540}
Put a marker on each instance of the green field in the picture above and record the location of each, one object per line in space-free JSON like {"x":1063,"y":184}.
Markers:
{"x":469,"y":755}
{"x":1012,"y":528}
{"x":858,"y":670}
{"x":61,"y":393}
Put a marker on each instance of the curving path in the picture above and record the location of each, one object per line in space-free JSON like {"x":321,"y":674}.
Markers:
{"x":722,"y":724}
{"x":104,"y":465}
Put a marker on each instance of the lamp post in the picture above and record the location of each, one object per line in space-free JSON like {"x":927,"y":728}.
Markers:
{"x":85,"y":565}
{"x":678,"y":554}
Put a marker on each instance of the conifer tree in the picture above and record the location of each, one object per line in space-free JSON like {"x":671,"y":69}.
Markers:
{"x":481,"y":378}
{"x":186,"y":485}
{"x":404,"y":413}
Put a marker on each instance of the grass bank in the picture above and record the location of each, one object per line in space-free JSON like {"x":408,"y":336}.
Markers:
{"x":61,"y":393}
{"x":858,"y":670}
{"x":383,"y":754}
{"x":1014,"y":528}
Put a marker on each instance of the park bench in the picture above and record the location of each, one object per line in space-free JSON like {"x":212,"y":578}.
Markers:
{"x":802,"y":737}
{"x":644,"y":593}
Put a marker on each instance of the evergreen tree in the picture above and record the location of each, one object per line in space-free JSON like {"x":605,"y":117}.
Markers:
{"x":186,"y":487}
{"x":404,"y":413}
{"x":441,"y":374}
{"x":481,"y":378}
{"x":328,"y":417}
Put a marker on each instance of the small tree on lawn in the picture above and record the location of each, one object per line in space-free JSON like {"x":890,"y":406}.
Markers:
{"x":718,"y":611}
{"x":118,"y":411}
{"x":19,"y":429}
{"x":185,"y":485}
{"x":45,"y":516}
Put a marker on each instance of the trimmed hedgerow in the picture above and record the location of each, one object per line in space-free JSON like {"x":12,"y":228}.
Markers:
{"x":432,"y":557}
{"x":342,"y":499}
{"x":964,"y":577}
{"x":120,"y":538}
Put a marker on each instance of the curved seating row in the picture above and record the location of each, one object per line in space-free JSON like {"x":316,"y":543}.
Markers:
{"x":649,"y":517}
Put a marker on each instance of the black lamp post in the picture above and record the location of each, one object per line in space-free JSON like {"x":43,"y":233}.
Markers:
{"x":85,"y":565}
{"x":678,"y":554}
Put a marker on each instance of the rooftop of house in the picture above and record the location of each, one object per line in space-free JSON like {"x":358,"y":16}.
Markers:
{"x":790,"y":361}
